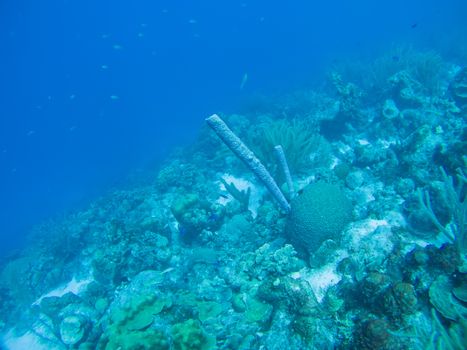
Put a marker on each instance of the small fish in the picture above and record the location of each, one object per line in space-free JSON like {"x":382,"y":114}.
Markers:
{"x":104,"y":66}
{"x":244,"y":81}
{"x":114,"y":97}
{"x":414,"y":25}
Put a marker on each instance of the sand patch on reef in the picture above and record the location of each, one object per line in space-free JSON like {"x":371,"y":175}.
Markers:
{"x":28,"y":340}
{"x":74,"y":286}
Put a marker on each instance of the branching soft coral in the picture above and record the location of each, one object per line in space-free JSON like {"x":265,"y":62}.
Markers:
{"x":296,"y":137}
{"x":454,"y":198}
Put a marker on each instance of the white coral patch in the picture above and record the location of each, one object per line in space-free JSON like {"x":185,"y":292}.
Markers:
{"x":367,"y":193}
{"x":385,"y":144}
{"x":28,"y":340}
{"x":362,"y":229}
{"x":321,"y":279}
{"x":369,"y":241}
{"x":74,"y":286}
{"x":395,"y":219}
{"x":334,"y":162}
{"x":363,"y":142}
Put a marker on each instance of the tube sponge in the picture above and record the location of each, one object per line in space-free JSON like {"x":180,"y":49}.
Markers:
{"x":248,"y":157}
{"x":285,"y":169}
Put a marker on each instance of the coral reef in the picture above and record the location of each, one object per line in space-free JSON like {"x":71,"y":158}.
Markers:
{"x":371,"y":253}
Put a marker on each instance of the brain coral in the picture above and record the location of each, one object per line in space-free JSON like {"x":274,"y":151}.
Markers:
{"x":321,"y":212}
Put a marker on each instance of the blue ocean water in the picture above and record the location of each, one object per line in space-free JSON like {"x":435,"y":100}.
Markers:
{"x":100,"y":97}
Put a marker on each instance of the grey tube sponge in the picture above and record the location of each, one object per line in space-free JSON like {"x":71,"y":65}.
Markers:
{"x":248,"y":157}
{"x":285,"y":169}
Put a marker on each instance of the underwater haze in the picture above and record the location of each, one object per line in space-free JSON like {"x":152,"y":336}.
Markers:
{"x":129,"y":220}
{"x":94,"y":91}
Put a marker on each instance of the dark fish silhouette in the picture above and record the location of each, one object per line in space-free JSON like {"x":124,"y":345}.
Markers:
{"x":414,"y":25}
